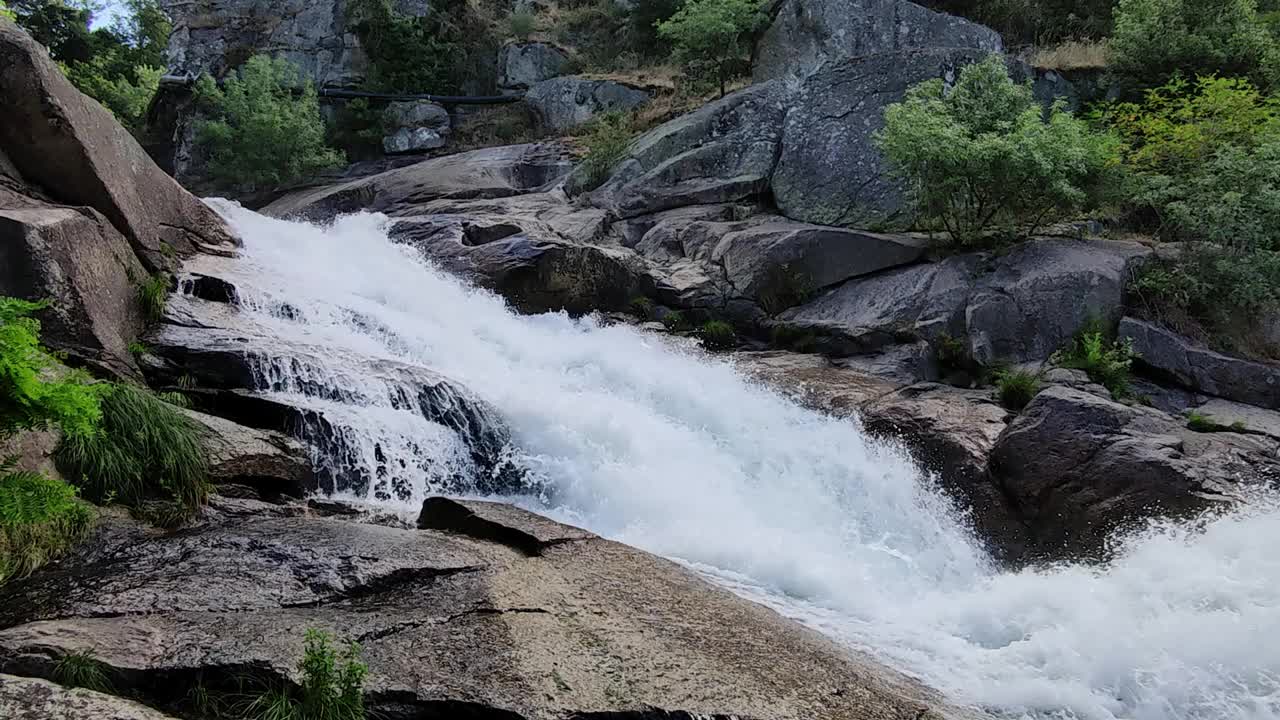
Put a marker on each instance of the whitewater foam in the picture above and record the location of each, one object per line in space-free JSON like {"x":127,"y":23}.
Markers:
{"x":666,"y":448}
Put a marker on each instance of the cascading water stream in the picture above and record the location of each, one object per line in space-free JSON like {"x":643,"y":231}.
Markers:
{"x":671,"y":450}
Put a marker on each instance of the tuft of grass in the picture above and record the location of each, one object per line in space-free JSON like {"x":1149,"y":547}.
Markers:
{"x":138,"y":348}
{"x":144,"y":449}
{"x":607,"y":143}
{"x":332,"y":686}
{"x":951,"y":353}
{"x":153,"y":293}
{"x":1072,"y":55}
{"x":674,"y":320}
{"x":1016,"y":388}
{"x":40,"y":519}
{"x":642,"y":307}
{"x":718,"y":335}
{"x":1199,"y":422}
{"x":175,"y":398}
{"x":520,"y":24}
{"x":81,"y":669}
{"x":1107,"y":362}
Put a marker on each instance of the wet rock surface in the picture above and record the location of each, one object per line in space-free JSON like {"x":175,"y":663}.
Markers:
{"x":34,"y":699}
{"x":459,"y":621}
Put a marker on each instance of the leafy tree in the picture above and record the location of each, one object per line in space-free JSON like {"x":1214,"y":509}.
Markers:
{"x":714,"y":35}
{"x":434,"y":53}
{"x":265,"y":126}
{"x":1155,"y":39}
{"x":986,"y":155}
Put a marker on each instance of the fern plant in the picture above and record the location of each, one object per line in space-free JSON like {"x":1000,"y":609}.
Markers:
{"x":40,"y":519}
{"x":34,"y":390}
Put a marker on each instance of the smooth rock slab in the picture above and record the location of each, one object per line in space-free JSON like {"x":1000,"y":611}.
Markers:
{"x":1199,"y":368}
{"x":564,"y":103}
{"x":521,"y":65}
{"x":34,"y":699}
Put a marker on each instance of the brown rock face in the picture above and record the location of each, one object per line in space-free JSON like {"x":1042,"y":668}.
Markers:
{"x":71,"y":146}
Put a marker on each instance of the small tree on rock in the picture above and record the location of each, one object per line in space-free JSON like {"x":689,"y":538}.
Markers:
{"x":714,"y":35}
{"x":986,"y":156}
{"x":265,"y":126}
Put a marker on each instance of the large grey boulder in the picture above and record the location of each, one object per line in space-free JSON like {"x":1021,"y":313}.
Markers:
{"x":563,"y":103}
{"x":1019,"y":307}
{"x":419,"y":125}
{"x":1079,"y":466}
{"x":829,"y":170}
{"x":75,"y":150}
{"x":804,"y":35}
{"x":23,"y":698}
{"x":522,"y":65}
{"x":265,"y":460}
{"x":79,"y":262}
{"x":1199,"y":368}
{"x":724,"y":151}
{"x":486,"y":611}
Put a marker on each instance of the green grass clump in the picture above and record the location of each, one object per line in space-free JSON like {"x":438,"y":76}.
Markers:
{"x":144,"y":449}
{"x":332,"y":686}
{"x":607,"y":144}
{"x":642,"y":307}
{"x":82,"y":670}
{"x":40,"y":519}
{"x":1107,"y":362}
{"x":520,"y":24}
{"x":153,"y":293}
{"x":1016,"y":388}
{"x":674,"y":320}
{"x":718,"y":335}
{"x":1203,"y":424}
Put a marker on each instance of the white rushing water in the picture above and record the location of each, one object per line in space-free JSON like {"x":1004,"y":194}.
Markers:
{"x":673,"y":451}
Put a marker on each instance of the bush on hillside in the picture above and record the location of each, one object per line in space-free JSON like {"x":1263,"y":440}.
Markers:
{"x":713,"y":37}
{"x":1107,"y":361}
{"x":145,"y":449}
{"x":1204,"y":169}
{"x":34,"y":391}
{"x":1156,"y":39}
{"x":264,"y":125}
{"x":607,"y":142}
{"x":985,"y":155}
{"x":434,"y":54}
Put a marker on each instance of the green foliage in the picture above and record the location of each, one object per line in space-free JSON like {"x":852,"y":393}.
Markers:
{"x":714,"y":35}
{"x":607,"y":142}
{"x":138,"y":348}
{"x":435,"y":53}
{"x":674,"y":320}
{"x":126,"y":95}
{"x":260,"y":132}
{"x":40,"y":519}
{"x":177,"y":399}
{"x":718,"y":335}
{"x":332,"y":686}
{"x":144,"y":449}
{"x":1155,"y":39}
{"x":6,"y":13}
{"x":153,"y":294}
{"x":952,"y":353}
{"x":644,"y":18}
{"x":1108,"y":362}
{"x":1203,"y":424}
{"x":1031,"y":22}
{"x":642,"y":307}
{"x":81,"y":669}
{"x":34,"y":392}
{"x":1016,"y":388}
{"x":520,"y":24}
{"x":985,"y":155}
{"x":1203,"y":163}
{"x":793,"y":338}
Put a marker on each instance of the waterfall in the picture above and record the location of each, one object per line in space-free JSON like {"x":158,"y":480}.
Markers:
{"x":652,"y":442}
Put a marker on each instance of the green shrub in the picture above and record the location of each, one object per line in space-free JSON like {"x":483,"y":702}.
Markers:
{"x":607,"y":142}
{"x":40,"y":519}
{"x":714,"y":35}
{"x":6,"y":13}
{"x":34,"y":392}
{"x":127,"y":96}
{"x":718,"y":335}
{"x":520,"y":24}
{"x":435,"y":53}
{"x":145,"y":449}
{"x":1016,"y":388}
{"x":985,"y":154}
{"x":1107,"y":362}
{"x":674,"y":320}
{"x":261,"y":133}
{"x":1203,"y":163}
{"x":642,"y":307}
{"x":1156,"y":39}
{"x":332,"y":686}
{"x":952,"y":353}
{"x":1202,"y":424}
{"x":81,"y":669}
